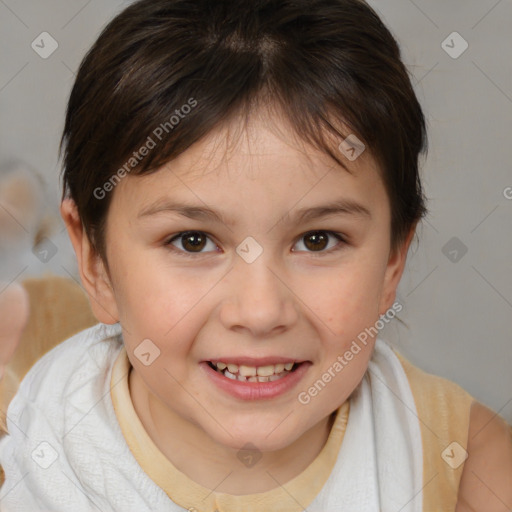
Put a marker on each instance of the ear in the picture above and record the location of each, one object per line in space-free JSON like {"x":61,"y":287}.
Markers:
{"x":93,"y":274}
{"x":393,"y":274}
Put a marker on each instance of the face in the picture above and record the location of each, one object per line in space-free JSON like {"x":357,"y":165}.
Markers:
{"x":265,"y":251}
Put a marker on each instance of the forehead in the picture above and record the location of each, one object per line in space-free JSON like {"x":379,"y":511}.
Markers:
{"x":260,"y":159}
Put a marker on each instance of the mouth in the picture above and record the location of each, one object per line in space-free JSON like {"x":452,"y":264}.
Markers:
{"x":245,"y":373}
{"x":250,"y":383}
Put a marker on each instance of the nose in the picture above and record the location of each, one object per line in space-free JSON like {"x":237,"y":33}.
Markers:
{"x":259,"y":300}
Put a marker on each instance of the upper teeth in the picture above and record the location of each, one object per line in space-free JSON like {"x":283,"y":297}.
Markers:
{"x":250,"y":371}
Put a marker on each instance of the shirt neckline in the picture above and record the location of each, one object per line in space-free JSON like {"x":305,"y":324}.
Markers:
{"x":292,"y":496}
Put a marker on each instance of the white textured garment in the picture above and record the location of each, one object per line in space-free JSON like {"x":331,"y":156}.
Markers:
{"x":65,"y":451}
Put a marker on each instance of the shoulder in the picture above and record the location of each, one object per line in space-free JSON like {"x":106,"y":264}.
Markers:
{"x":56,"y":412}
{"x":68,"y":356}
{"x":483,"y":481}
{"x":443,"y":409}
{"x":59,"y":373}
{"x":437,"y":395}
{"x":486,"y":480}
{"x":85,"y":343}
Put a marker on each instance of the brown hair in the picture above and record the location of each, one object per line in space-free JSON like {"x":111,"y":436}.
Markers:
{"x":324,"y":62}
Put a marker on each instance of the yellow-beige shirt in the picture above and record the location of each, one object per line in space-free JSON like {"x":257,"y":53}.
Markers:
{"x":443,"y":413}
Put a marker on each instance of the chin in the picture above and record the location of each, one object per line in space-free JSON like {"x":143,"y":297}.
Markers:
{"x":266,"y":436}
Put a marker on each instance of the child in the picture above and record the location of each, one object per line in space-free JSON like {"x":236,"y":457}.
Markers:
{"x":241,"y":189}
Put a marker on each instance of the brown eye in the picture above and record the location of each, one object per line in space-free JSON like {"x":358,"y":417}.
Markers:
{"x":190,"y":242}
{"x":193,"y":241}
{"x":316,"y":241}
{"x":323,"y":242}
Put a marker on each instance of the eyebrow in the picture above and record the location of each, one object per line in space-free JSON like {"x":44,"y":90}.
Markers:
{"x":338,"y":207}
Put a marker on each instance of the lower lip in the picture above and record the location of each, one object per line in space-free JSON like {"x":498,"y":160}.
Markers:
{"x":256,"y":390}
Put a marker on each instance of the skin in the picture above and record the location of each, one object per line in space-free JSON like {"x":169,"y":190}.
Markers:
{"x":292,"y":301}
{"x":487,"y":474}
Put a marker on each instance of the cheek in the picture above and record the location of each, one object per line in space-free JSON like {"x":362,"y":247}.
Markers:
{"x":149,"y":293}
{"x":162,"y":305}
{"x":345,"y":298}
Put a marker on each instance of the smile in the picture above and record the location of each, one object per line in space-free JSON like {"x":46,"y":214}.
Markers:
{"x":256,"y":382}
{"x":243,"y":373}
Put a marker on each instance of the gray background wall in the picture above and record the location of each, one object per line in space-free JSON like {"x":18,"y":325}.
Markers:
{"x":457,"y":288}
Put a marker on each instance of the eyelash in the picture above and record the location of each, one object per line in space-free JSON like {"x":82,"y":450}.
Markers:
{"x":188,"y":254}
